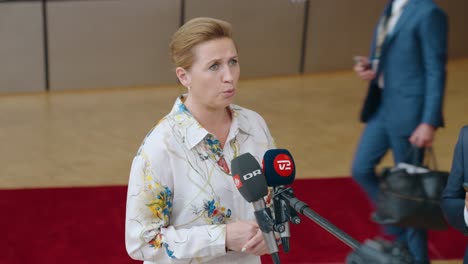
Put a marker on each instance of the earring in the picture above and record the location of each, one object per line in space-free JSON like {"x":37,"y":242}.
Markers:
{"x":189,"y":87}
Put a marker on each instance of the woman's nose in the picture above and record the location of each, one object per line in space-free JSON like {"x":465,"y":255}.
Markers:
{"x":227,"y":75}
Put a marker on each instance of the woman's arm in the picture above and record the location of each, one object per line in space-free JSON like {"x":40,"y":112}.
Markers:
{"x":149,"y":234}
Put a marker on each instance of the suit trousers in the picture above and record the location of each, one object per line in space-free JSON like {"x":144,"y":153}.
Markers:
{"x":375,"y":141}
{"x":465,"y":258}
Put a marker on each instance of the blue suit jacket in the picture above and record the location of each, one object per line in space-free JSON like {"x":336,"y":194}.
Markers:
{"x":453,"y":197}
{"x":412,"y":61}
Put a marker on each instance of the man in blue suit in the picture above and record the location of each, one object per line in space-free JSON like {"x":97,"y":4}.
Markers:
{"x":454,"y":197}
{"x":403,"y":106}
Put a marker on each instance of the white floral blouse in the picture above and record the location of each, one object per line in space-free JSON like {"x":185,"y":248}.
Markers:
{"x":181,"y":194}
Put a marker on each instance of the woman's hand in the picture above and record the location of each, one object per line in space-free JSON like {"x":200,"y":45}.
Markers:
{"x":256,"y":245}
{"x":245,"y":236}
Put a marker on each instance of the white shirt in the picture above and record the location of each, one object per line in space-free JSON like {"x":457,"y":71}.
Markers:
{"x":397,"y":10}
{"x":180,"y":193}
{"x":465,"y":215}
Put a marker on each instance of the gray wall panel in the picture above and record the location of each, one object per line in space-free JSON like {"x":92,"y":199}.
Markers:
{"x":267,"y":32}
{"x":458,"y":32}
{"x":111,"y":43}
{"x":338,"y":30}
{"x":100,"y":43}
{"x":21,"y":48}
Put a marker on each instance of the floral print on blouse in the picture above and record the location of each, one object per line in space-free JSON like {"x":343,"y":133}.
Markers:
{"x":181,"y":194}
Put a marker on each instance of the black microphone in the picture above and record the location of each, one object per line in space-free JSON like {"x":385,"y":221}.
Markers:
{"x":280,"y":170}
{"x":279,"y":167}
{"x":250,"y":181}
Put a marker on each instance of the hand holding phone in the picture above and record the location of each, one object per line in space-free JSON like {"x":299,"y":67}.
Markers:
{"x":362,"y":61}
{"x":363,"y":68}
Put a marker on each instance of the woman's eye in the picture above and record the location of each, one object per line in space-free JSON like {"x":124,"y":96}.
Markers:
{"x":214,"y":67}
{"x":233,"y":62}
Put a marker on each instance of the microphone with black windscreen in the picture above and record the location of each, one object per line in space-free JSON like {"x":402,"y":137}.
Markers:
{"x":280,"y":170}
{"x":250,"y":181}
{"x":279,"y":165}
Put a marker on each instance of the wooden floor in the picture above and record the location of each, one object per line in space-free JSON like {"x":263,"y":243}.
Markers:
{"x":84,"y":138}
{"x":89,"y":137}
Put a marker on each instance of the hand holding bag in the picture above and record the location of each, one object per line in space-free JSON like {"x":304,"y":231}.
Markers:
{"x":409,"y":194}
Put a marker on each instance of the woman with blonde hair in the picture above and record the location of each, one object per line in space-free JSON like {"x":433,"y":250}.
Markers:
{"x":182,"y":204}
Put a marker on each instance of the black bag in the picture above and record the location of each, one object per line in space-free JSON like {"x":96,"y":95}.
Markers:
{"x":409,"y":195}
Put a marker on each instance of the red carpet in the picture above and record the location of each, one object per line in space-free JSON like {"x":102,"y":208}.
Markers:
{"x":86,"y":225}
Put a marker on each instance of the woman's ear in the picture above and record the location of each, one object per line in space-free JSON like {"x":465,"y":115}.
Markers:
{"x":183,"y":76}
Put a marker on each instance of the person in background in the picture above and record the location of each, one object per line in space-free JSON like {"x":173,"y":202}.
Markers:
{"x":403,"y":106}
{"x":182,"y":204}
{"x":455,"y":197}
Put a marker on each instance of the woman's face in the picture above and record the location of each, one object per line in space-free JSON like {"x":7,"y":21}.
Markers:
{"x":212,"y":79}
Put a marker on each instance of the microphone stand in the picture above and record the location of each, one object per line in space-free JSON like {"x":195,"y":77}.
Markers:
{"x":283,"y":215}
{"x":373,"y":251}
{"x":267,"y":225}
{"x":287,"y":195}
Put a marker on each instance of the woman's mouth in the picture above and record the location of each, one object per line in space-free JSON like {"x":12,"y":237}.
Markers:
{"x":229,"y":93}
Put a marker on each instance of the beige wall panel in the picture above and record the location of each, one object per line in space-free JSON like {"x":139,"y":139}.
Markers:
{"x":100,"y":44}
{"x":268,"y":32}
{"x":338,"y":30}
{"x":457,"y":10}
{"x":21,"y":48}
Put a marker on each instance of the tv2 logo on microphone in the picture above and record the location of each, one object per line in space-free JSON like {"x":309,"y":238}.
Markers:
{"x":284,"y":165}
{"x":246,"y":177}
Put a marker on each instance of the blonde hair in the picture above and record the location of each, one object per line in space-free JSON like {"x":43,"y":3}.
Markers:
{"x":192,"y":33}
